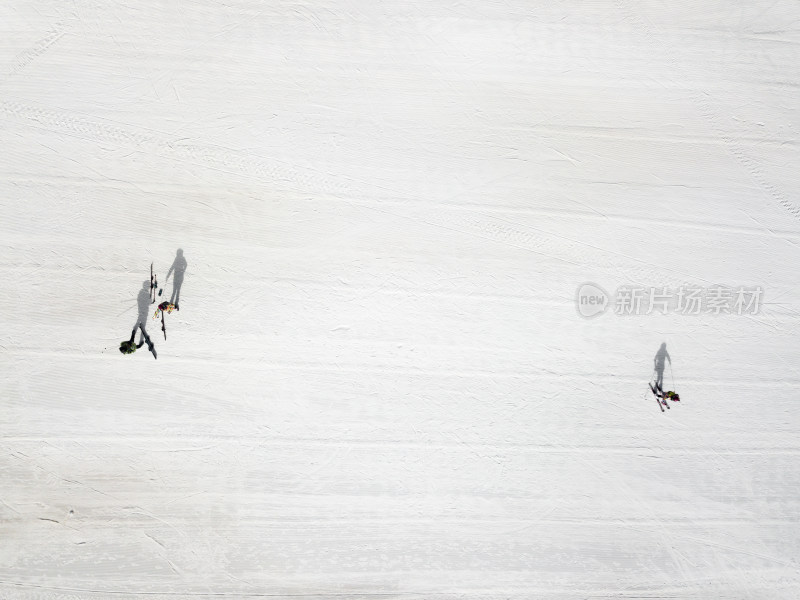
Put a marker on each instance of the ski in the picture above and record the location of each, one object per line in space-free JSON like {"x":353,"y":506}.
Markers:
{"x":663,"y":396}
{"x":661,"y":393}
{"x":153,"y":285}
{"x":150,"y":344}
{"x":656,"y":395}
{"x":659,"y":397}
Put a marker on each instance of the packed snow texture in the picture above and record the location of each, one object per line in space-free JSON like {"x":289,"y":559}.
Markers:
{"x":379,"y":383}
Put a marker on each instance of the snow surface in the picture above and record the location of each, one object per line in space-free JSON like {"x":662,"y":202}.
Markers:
{"x":378,"y":384}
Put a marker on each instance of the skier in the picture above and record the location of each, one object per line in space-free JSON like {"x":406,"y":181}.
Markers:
{"x":663,"y":396}
{"x":658,"y":363}
{"x":669,"y":395}
{"x":179,"y":266}
{"x":128,"y":347}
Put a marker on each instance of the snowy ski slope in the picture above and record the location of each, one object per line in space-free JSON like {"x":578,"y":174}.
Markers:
{"x":379,"y":384}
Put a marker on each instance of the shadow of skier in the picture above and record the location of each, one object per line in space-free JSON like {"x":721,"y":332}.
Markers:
{"x":658,"y":364}
{"x":179,"y":267}
{"x":143,"y":301}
